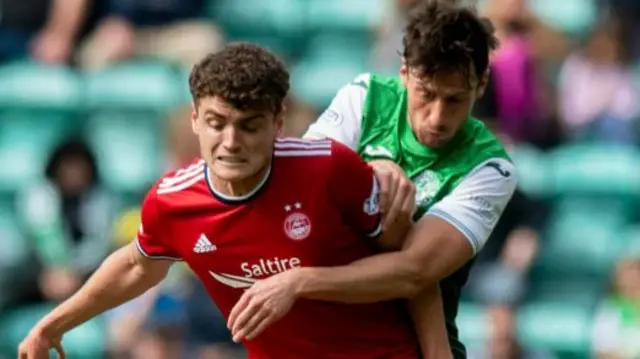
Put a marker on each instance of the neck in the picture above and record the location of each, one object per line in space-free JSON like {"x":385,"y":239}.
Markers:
{"x":240,"y":188}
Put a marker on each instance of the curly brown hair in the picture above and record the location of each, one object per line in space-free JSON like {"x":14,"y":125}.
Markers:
{"x":244,"y":75}
{"x":443,"y":36}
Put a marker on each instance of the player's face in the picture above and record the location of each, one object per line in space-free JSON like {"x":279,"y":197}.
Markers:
{"x":439,"y":105}
{"x":235,"y":144}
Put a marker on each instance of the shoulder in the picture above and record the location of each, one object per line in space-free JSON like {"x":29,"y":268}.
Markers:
{"x":181,"y":179}
{"x":493,"y":174}
{"x":315,"y":156}
{"x":176,"y":189}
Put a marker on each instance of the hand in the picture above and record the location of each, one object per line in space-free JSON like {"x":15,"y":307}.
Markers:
{"x":51,"y":47}
{"x":59,"y":283}
{"x":264,"y":303}
{"x":397,"y":193}
{"x":36,"y":346}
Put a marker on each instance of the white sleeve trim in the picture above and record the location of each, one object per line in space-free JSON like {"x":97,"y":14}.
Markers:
{"x":476,"y":204}
{"x":147,"y":255}
{"x":343,"y":119}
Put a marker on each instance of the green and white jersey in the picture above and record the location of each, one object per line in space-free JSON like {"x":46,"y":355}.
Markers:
{"x":467,"y":183}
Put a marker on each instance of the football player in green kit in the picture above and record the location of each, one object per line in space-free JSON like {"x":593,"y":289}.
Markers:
{"x":415,"y":127}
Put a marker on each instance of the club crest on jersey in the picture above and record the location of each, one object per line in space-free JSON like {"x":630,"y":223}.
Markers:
{"x":297,"y":225}
{"x":427,"y":186}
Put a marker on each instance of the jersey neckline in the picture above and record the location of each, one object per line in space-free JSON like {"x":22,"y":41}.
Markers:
{"x":237,"y":200}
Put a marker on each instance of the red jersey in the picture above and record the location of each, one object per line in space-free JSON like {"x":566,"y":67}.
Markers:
{"x":316,"y":206}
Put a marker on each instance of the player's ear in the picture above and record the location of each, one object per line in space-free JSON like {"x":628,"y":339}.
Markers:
{"x":280,"y":121}
{"x":404,"y":73}
{"x":194,"y":118}
{"x":482,"y":83}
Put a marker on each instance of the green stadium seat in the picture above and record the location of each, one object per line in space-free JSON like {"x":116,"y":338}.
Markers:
{"x":352,"y":15}
{"x":287,"y":47}
{"x":596,"y":169}
{"x":257,"y":16}
{"x":25,"y":143}
{"x":26,"y":85}
{"x":582,"y":292}
{"x":555,"y":327}
{"x":87,"y":341}
{"x":474,"y":325}
{"x":571,"y":16}
{"x":331,"y":47}
{"x":583,"y":238}
{"x":128,"y":148}
{"x":146,"y":86}
{"x":534,"y":174}
{"x":14,"y":257}
{"x":317,"y":83}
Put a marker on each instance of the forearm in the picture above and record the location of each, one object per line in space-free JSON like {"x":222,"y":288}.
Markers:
{"x":372,"y":279}
{"x":428,"y":318}
{"x":66,"y":17}
{"x":118,"y":280}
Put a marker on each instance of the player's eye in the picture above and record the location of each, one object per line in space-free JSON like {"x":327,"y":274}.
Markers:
{"x":455,"y":99}
{"x":250,"y":128}
{"x":215,"y":124}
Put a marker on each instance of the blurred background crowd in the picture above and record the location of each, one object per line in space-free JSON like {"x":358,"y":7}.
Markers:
{"x":94,"y":105}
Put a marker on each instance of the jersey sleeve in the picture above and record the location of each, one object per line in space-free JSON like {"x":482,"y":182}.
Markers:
{"x":149,"y":240}
{"x":342,"y":120}
{"x":476,"y":204}
{"x":355,"y":189}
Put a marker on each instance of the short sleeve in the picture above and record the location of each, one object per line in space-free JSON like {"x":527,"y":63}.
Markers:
{"x":476,"y":204}
{"x":355,"y":189}
{"x":149,"y":240}
{"x":342,"y":120}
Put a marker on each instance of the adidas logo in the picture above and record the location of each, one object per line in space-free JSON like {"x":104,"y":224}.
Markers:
{"x":204,"y":245}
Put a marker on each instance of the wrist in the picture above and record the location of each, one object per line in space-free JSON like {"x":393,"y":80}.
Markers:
{"x":302,"y":279}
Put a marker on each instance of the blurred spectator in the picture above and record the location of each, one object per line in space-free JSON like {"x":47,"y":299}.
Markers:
{"x":500,"y":274}
{"x":616,"y":333}
{"x":298,"y":117}
{"x":170,"y":30}
{"x":385,"y":56}
{"x":68,"y":218}
{"x":514,"y":17}
{"x":524,"y":101}
{"x":46,"y":30}
{"x":598,"y":98}
{"x":181,"y":143}
{"x":503,"y":342}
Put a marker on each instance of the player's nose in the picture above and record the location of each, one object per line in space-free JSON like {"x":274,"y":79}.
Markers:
{"x":231,"y":139}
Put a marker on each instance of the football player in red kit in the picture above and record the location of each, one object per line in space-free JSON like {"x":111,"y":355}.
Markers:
{"x":255,"y":205}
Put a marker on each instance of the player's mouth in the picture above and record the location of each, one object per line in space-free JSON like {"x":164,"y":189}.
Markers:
{"x":230,"y":160}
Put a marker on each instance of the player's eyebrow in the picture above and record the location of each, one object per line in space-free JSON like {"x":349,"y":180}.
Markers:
{"x":250,"y":117}
{"x":214,"y":113}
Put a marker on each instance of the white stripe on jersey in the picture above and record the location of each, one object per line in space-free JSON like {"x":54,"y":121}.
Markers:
{"x":299,"y":140}
{"x":312,"y":145}
{"x":302,"y":153}
{"x":179,"y":187}
{"x":295,"y":147}
{"x":182,"y":175}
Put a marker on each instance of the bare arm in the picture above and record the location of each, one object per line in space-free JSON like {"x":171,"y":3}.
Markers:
{"x":442,"y":241}
{"x":66,"y":17}
{"x":123,"y":276}
{"x":433,"y":249}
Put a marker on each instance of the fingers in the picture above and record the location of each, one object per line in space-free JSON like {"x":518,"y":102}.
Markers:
{"x":262,"y":325}
{"x":403,"y":204}
{"x":243,"y":319}
{"x":238,"y":308}
{"x":249,"y":330}
{"x":387,"y":190}
{"x":58,"y":347}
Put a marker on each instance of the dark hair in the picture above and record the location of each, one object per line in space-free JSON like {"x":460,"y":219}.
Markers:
{"x":72,"y":149}
{"x":245,"y":75}
{"x":443,"y":36}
